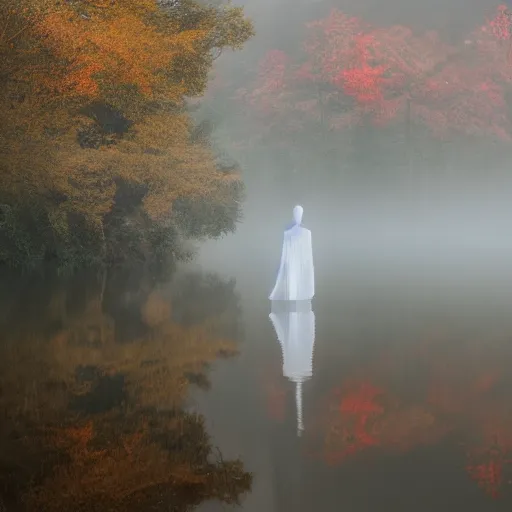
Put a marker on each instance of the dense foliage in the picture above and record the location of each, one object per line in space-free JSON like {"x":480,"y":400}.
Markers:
{"x":99,"y":158}
{"x":349,"y":85}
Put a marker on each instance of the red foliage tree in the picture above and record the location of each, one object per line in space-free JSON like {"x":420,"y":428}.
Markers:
{"x":395,"y":75}
{"x":352,"y":73}
{"x":467,"y":92}
{"x":500,"y":29}
{"x":363,"y":81}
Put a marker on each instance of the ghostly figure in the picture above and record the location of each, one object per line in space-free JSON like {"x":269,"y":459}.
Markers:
{"x":296,"y":276}
{"x":294,"y":323}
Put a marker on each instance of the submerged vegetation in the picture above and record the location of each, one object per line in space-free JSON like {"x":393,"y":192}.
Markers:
{"x":100,"y":160}
{"x":93,"y":394}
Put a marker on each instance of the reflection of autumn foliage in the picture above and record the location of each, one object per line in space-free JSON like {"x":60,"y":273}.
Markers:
{"x":364,"y":416}
{"x":488,"y":474}
{"x":350,"y":435}
{"x":456,"y":393}
{"x":104,"y":415}
{"x":360,"y":404}
{"x":151,"y":454}
{"x":154,"y":367}
{"x":489,"y":454}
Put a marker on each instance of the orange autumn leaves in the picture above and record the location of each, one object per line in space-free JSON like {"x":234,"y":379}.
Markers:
{"x":64,"y":164}
{"x":118,"y":48}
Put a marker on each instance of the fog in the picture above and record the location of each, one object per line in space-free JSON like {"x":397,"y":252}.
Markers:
{"x":401,"y":255}
{"x":424,"y":222}
{"x":407,"y":367}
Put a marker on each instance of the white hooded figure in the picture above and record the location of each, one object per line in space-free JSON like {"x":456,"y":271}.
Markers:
{"x":296,"y":276}
{"x":294,"y":323}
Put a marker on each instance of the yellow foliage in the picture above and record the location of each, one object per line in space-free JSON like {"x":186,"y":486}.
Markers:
{"x":132,"y":464}
{"x":154,"y":366}
{"x":56,"y":58}
{"x":112,"y":457}
{"x":118,"y":47}
{"x":69,"y":458}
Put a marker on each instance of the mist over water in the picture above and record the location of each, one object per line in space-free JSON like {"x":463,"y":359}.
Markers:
{"x":418,"y":218}
{"x":406,"y":404}
{"x":413,"y":297}
{"x":445,"y":230}
{"x":395,"y":270}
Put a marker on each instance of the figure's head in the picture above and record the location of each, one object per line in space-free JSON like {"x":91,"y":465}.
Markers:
{"x":297,"y":214}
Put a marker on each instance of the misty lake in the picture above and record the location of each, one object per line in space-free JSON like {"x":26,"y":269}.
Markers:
{"x":130,"y":128}
{"x":163,"y":391}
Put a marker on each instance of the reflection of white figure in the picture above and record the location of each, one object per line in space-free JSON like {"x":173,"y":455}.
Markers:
{"x":296,"y":276}
{"x":294,"y":323}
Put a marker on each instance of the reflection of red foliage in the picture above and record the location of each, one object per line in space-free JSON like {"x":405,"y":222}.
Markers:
{"x":361,"y":402}
{"x":359,"y":422}
{"x":488,"y":475}
{"x":460,"y":391}
{"x":487,"y":465}
{"x":359,"y":405}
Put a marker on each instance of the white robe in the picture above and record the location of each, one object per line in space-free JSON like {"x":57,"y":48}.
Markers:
{"x":296,"y":275}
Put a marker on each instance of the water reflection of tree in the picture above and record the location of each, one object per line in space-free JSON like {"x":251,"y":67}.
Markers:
{"x":93,"y":419}
{"x":419,"y":394}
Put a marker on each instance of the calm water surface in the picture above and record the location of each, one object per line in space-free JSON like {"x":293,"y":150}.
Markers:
{"x":400,"y":398}
{"x":409,"y":405}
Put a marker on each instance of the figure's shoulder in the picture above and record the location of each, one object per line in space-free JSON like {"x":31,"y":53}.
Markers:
{"x":298,"y":231}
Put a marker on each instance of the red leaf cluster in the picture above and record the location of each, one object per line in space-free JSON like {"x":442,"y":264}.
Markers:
{"x":350,"y":72}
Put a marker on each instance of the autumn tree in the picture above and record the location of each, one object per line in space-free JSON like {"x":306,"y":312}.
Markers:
{"x":384,"y":83}
{"x":97,"y":145}
{"x":392,"y":73}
